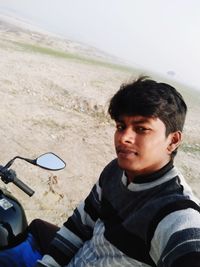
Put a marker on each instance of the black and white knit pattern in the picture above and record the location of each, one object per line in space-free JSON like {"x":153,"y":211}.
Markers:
{"x":154,"y":221}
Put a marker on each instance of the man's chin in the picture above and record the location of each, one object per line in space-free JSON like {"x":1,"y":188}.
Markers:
{"x":125,"y":165}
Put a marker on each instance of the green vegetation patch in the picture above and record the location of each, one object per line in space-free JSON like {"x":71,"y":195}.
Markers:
{"x":190,"y":148}
{"x":61,"y":54}
{"x":49,"y":123}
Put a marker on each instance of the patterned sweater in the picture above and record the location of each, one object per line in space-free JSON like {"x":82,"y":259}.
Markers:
{"x":153,"y":221}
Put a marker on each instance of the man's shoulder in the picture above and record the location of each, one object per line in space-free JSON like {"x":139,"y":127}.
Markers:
{"x":112,"y":169}
{"x":112,"y":166}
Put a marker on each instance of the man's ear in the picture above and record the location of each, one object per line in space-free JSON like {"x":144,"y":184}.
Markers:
{"x":175,"y":139}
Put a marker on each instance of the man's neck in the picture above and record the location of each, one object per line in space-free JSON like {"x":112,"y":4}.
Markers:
{"x":149,"y":176}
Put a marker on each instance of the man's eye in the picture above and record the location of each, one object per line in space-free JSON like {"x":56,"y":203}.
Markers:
{"x":119,"y":127}
{"x":142,"y":129}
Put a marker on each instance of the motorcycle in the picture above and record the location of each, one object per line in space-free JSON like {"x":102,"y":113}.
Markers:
{"x":18,"y":247}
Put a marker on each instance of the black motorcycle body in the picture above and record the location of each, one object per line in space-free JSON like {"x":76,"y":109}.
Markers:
{"x":17,"y":246}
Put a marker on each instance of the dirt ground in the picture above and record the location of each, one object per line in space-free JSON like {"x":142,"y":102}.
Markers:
{"x":50,"y":102}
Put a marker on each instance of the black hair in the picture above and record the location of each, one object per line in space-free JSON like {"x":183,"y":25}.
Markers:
{"x":149,"y":98}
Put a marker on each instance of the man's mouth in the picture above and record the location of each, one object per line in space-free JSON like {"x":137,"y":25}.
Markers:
{"x":125,"y":152}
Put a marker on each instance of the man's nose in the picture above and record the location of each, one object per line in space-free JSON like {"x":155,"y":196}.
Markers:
{"x":128,"y":136}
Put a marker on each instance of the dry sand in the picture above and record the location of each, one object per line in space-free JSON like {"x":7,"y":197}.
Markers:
{"x":50,"y":102}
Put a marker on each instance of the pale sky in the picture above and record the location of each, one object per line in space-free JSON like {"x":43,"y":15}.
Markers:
{"x":159,"y":35}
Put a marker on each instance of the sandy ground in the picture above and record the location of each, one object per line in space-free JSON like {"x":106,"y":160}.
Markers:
{"x":53,"y":103}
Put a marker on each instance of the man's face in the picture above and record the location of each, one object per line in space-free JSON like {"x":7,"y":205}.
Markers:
{"x":141,"y":145}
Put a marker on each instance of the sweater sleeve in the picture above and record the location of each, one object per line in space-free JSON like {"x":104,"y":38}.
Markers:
{"x":75,"y":231}
{"x":176,"y":241}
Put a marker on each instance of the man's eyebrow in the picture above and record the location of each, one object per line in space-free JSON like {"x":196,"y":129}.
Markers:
{"x":139,"y":121}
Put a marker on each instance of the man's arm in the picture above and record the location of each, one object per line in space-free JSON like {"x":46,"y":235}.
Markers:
{"x":176,"y":241}
{"x":74,"y":232}
{"x":189,"y":260}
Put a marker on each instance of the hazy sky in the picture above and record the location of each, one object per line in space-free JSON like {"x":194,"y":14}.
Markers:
{"x":155,"y":34}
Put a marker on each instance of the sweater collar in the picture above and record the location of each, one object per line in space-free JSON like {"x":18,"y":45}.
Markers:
{"x":144,"y":182}
{"x":140,"y":179}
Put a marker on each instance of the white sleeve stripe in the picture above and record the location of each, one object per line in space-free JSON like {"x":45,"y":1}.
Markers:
{"x":187,"y":241}
{"x":187,"y":189}
{"x":98,"y":189}
{"x":48,"y":261}
{"x":85,"y":217}
{"x":174,"y":222}
{"x":70,"y":236}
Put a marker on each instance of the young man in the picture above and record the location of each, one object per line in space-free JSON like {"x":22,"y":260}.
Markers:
{"x":140,"y":212}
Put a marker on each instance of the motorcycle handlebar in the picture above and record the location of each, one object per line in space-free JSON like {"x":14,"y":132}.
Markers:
{"x":23,"y":186}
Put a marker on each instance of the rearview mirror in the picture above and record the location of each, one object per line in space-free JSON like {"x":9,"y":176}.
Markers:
{"x":50,"y":161}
